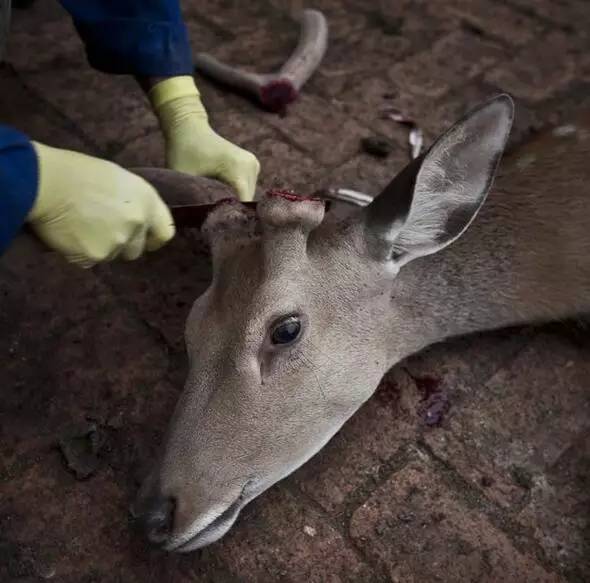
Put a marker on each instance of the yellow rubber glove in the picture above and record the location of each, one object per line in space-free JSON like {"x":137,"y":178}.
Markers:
{"x":192,"y":146}
{"x":91,"y":210}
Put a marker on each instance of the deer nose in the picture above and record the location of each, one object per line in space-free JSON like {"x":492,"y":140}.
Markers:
{"x":157,"y":518}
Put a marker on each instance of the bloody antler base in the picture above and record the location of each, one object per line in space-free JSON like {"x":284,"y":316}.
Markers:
{"x":275,"y":91}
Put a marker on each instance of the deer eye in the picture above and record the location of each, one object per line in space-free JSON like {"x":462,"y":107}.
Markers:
{"x":286,"y":331}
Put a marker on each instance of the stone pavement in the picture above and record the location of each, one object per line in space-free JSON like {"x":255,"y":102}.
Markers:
{"x":500,"y":491}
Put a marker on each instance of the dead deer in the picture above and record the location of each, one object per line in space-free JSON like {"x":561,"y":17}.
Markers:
{"x":305,"y":312}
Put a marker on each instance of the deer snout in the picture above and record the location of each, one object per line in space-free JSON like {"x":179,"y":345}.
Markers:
{"x":155,"y":517}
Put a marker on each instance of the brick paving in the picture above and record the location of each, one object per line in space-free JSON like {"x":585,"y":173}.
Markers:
{"x":499,"y":491}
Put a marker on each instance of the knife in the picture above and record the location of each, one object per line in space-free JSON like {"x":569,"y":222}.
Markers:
{"x":192,"y":216}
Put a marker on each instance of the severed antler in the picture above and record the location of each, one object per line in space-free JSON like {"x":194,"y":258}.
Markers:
{"x":276,"y":90}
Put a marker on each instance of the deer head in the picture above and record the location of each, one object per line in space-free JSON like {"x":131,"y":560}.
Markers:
{"x":298,"y":326}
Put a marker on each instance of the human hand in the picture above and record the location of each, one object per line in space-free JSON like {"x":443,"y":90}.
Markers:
{"x":92,"y":210}
{"x":192,"y":146}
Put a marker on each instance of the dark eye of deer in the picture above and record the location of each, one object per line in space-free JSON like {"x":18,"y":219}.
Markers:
{"x":287,"y":331}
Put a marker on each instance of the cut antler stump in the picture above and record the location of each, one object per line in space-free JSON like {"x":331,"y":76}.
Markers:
{"x":275,"y":91}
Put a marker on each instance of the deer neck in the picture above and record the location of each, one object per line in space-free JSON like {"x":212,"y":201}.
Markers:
{"x":524,"y":260}
{"x":458,"y":291}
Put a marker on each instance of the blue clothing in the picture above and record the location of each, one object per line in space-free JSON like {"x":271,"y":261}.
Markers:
{"x":18,"y":182}
{"x":134,"y":37}
{"x":128,"y":37}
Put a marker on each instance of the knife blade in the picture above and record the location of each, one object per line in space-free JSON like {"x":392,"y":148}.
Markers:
{"x":192,"y":216}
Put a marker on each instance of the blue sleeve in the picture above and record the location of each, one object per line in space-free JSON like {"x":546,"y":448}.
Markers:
{"x":133,"y":37}
{"x":18,"y":182}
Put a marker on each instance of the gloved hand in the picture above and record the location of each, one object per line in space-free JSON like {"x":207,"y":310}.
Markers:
{"x":192,"y":146}
{"x":92,"y":210}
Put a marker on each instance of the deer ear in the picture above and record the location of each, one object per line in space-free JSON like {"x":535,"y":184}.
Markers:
{"x":435,"y":198}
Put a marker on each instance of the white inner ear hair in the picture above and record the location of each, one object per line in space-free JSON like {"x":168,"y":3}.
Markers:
{"x":452,"y":184}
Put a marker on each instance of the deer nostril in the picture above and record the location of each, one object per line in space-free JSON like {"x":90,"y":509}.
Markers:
{"x":158,"y":518}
